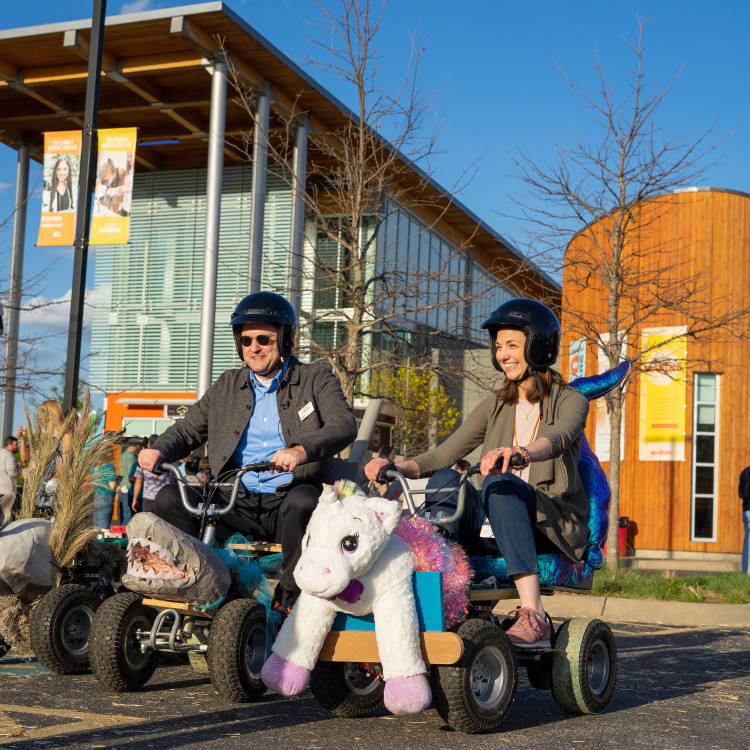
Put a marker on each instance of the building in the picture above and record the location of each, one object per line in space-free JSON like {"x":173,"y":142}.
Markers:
{"x":205,"y":215}
{"x":685,"y":427}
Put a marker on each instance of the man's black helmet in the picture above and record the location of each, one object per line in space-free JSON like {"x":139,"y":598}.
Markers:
{"x":537,"y":321}
{"x":266,"y":307}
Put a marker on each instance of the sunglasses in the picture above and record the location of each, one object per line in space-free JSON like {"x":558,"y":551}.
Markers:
{"x":263,"y":340}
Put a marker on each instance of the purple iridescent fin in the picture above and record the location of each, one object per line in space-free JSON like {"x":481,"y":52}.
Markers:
{"x":559,"y":570}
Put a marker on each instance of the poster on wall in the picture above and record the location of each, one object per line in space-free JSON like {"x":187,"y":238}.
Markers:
{"x":663,"y":395}
{"x":113,"y":188}
{"x":577,"y":358}
{"x":61,"y":168}
{"x":602,"y":411}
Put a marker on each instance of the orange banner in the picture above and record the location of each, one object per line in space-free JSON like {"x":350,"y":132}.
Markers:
{"x":110,"y":223}
{"x":62,"y":166}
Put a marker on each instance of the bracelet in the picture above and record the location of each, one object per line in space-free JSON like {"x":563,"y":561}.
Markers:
{"x":524,"y":453}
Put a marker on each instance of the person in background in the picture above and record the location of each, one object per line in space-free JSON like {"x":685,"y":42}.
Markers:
{"x":127,"y":466}
{"x":744,"y":493}
{"x":104,"y":479}
{"x":50,"y":414}
{"x":461,"y":465}
{"x":8,"y":475}
{"x":149,"y":483}
{"x":388,"y":452}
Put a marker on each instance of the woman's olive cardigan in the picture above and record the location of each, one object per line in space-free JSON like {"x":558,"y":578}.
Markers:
{"x":561,"y":504}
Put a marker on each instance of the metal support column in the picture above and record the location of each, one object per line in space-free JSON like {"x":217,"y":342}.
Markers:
{"x":215,"y":176}
{"x":258,"y":196}
{"x":14,"y":289}
{"x":297,"y":244}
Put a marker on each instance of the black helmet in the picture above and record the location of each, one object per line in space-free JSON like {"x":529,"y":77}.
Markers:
{"x":537,"y":321}
{"x":266,"y":307}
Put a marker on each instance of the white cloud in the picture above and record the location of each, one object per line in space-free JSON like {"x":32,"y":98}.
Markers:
{"x":136,"y":6}
{"x":52,"y":315}
{"x":3,"y":187}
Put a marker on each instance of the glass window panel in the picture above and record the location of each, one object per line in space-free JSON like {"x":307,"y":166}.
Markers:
{"x":707,"y":388}
{"x":704,"y":449}
{"x":706,"y":421}
{"x":704,"y":480}
{"x":704,"y":518}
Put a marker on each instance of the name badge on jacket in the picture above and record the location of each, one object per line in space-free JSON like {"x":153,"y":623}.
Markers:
{"x":306,"y":411}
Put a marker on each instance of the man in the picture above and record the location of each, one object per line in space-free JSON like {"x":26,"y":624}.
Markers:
{"x":744,"y":493}
{"x":128,"y":461}
{"x":273,"y":408}
{"x":8,"y":475}
{"x":149,"y":483}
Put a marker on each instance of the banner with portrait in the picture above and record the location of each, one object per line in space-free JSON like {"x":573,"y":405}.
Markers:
{"x":61,"y":170}
{"x":577,"y":359}
{"x":113,"y":188}
{"x":663,"y":394}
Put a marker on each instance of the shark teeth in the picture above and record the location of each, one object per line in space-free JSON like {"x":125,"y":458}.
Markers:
{"x":150,"y":561}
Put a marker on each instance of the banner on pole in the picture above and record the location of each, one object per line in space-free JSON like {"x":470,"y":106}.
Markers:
{"x":663,"y":397}
{"x":62,"y":167}
{"x":577,"y":358}
{"x":110,"y":223}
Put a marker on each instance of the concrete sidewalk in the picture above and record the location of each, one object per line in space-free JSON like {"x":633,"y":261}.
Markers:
{"x":618,"y":609}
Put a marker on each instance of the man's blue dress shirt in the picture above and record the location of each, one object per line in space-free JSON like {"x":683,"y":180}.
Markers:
{"x":262,"y":437}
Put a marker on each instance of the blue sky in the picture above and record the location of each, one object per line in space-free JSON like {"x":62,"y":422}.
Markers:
{"x":494,"y":62}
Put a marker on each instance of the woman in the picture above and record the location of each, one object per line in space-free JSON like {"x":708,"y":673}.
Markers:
{"x":104,"y":479}
{"x":51,"y":417}
{"x":539,"y":506}
{"x":108,"y":188}
{"x":61,"y":186}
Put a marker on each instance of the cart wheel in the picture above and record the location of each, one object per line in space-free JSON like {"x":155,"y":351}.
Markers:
{"x":347,"y":689}
{"x":476,"y":695}
{"x":117,"y":660}
{"x":4,"y":647}
{"x":238,"y":645}
{"x":60,"y":627}
{"x":584,"y":667}
{"x":540,"y":673}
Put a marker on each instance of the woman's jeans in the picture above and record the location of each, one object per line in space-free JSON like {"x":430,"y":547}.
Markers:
{"x":104,"y":503}
{"x":509,"y":504}
{"x":746,"y":543}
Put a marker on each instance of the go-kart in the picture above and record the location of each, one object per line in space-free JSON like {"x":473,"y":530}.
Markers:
{"x":228,"y":641}
{"x":473,"y":667}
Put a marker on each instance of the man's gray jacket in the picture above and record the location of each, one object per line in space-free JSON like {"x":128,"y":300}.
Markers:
{"x":312,"y":410}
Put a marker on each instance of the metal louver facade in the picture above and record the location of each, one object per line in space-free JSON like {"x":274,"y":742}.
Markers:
{"x":148,"y":294}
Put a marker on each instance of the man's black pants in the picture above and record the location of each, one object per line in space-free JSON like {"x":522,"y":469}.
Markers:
{"x":265,"y":517}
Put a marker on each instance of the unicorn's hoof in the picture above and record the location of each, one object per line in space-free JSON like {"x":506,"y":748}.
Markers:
{"x":283,"y":677}
{"x":407,"y":695}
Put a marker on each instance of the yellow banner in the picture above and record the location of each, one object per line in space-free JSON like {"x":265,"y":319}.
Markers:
{"x":113,"y":190}
{"x":663,"y":397}
{"x":62,"y":166}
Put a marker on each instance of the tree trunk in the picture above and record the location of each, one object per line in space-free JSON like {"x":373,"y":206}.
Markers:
{"x":615,"y":421}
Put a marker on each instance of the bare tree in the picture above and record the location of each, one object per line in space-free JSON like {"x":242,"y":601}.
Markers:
{"x":610,"y":196}
{"x":376,"y":305}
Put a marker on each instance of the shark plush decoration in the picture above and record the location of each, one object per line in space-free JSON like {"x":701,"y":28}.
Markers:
{"x":167,"y":563}
{"x":352,"y":562}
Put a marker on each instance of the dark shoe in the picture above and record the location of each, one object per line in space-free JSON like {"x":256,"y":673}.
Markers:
{"x":529,"y":630}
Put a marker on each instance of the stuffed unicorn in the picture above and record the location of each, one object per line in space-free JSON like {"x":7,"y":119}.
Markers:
{"x":351,"y":562}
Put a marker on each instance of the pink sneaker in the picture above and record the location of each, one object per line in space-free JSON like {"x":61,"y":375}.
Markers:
{"x":529,"y":630}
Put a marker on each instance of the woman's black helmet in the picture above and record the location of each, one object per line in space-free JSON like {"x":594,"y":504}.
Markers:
{"x":266,"y":307}
{"x":537,"y":321}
